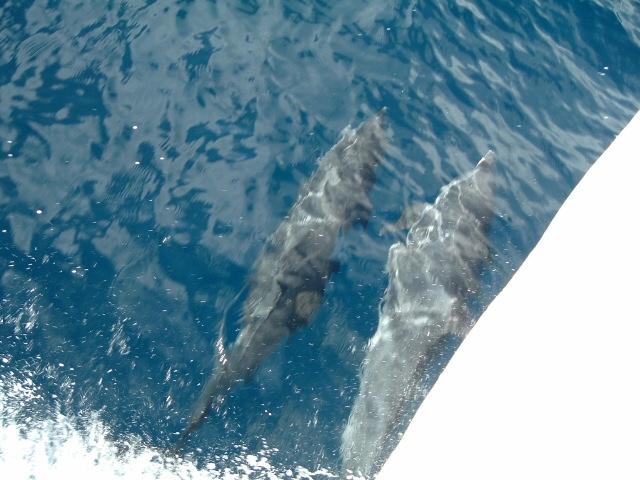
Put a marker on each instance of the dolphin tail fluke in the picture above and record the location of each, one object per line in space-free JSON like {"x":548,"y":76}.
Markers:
{"x":177,"y":449}
{"x":216,"y":385}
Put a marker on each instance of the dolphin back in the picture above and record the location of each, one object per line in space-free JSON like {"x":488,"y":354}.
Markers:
{"x":291,"y":274}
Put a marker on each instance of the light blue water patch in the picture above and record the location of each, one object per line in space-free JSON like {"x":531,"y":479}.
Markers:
{"x":148,"y":150}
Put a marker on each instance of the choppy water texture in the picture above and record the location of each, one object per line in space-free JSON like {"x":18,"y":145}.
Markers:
{"x":148,"y":149}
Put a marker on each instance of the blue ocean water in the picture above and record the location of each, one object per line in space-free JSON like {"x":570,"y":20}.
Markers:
{"x":148,"y":150}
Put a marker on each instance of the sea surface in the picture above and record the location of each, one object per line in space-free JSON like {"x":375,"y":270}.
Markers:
{"x":149,"y":148}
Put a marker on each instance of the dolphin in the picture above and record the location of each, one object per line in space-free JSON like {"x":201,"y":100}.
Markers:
{"x":289,"y":278}
{"x":431,"y":279}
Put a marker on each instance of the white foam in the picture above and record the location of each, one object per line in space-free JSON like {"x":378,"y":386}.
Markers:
{"x":40,"y":444}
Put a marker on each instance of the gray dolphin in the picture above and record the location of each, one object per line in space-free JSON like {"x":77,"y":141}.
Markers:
{"x":431,"y":279}
{"x":289,"y":277}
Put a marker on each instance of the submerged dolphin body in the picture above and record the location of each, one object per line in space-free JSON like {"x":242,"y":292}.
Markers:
{"x":289,"y":277}
{"x":431,"y":278}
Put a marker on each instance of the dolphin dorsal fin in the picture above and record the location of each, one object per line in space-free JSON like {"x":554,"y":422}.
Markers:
{"x":410,"y":215}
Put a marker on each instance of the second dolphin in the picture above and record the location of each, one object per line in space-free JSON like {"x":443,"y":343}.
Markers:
{"x":431,"y":279}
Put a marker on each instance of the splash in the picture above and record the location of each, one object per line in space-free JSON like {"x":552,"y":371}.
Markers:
{"x":38,"y":443}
